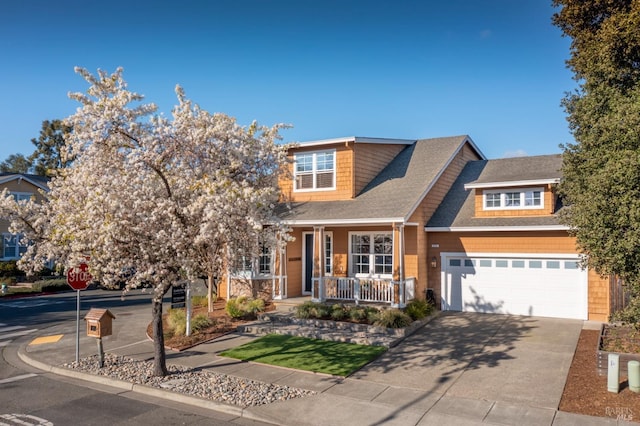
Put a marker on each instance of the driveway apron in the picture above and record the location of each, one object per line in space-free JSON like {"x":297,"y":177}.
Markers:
{"x":502,"y":358}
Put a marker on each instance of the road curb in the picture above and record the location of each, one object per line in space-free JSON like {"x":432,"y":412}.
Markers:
{"x":138,"y":388}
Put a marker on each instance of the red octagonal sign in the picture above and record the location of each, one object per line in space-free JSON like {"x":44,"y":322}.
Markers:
{"x":79,"y":278}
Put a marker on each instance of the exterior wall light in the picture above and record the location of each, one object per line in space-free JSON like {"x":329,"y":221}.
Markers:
{"x":434,"y":262}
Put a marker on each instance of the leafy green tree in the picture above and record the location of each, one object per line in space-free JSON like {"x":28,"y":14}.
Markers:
{"x":602,"y":167}
{"x":15,"y":163}
{"x":50,"y":153}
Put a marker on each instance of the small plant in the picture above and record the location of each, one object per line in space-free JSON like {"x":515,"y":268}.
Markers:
{"x":177,"y":321}
{"x":243,"y":307}
{"x":233,"y":307}
{"x":304,"y":311}
{"x":200,"y":322}
{"x":357,"y":313}
{"x":418,"y":309}
{"x":254,"y":306}
{"x":338,"y":312}
{"x":321,"y":310}
{"x":393,"y":318}
{"x":372,"y":314}
{"x":199,"y":301}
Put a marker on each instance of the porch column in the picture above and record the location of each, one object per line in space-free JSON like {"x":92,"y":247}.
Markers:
{"x":318,"y":263}
{"x":278,"y":281}
{"x":398,"y":258}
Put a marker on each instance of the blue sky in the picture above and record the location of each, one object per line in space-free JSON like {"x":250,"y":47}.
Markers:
{"x":492,"y":69}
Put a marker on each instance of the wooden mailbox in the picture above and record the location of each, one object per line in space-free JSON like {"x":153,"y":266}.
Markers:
{"x":99,"y":322}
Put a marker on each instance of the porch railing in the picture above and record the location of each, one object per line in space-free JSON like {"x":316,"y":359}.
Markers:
{"x":374,"y":290}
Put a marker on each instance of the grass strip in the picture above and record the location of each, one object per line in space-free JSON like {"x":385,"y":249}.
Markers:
{"x":301,"y":353}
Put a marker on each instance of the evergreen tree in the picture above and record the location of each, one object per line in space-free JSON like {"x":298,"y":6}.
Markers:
{"x":602,"y":167}
{"x":50,"y":154}
{"x":15,"y":163}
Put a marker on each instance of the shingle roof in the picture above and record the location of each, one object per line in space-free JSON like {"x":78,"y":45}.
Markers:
{"x":521,"y":169}
{"x":393,"y":194}
{"x":457,"y":210}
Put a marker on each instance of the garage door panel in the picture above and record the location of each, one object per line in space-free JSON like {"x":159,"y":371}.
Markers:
{"x":553,"y":287}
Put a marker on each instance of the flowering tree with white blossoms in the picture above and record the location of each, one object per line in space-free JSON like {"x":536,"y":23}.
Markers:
{"x":163,"y":199}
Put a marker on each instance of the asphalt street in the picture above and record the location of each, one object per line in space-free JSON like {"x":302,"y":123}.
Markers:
{"x":30,"y":397}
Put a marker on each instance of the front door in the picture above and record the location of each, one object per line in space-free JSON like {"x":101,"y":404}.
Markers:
{"x":308,"y":263}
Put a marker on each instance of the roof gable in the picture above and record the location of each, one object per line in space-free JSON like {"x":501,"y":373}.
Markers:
{"x":457,"y":210}
{"x":394,"y":194}
{"x":35,"y":180}
{"x":519,"y":171}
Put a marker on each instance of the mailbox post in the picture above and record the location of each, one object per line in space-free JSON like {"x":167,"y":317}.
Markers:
{"x":99,"y":325}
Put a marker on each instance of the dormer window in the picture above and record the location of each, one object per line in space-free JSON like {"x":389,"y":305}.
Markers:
{"x":315,"y":170}
{"x":513,"y":199}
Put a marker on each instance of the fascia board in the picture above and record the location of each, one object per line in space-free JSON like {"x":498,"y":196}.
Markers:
{"x":511,"y":184}
{"x":496,"y":228}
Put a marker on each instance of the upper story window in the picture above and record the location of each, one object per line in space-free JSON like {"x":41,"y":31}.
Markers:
{"x":315,"y":170}
{"x":21,"y":196}
{"x":513,"y":199}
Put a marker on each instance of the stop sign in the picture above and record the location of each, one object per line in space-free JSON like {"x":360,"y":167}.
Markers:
{"x":79,"y":278}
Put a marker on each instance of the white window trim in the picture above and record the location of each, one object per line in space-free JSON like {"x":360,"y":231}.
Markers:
{"x":254,"y":272}
{"x":503,"y":193}
{"x":18,"y":245}
{"x":352,"y":272}
{"x":314,"y":171}
{"x":19,"y":196}
{"x":328,"y":234}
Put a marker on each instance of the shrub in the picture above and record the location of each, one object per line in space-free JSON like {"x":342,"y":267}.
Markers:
{"x":630,"y":315}
{"x":372,"y":314}
{"x":232,"y":307}
{"x":418,"y":309}
{"x":304,"y":311}
{"x":200,"y":322}
{"x":254,"y":306}
{"x":243,"y":307}
{"x":199,"y":301}
{"x":393,"y":318}
{"x":177,"y":321}
{"x":56,"y":284}
{"x":357,"y":313}
{"x":321,"y":310}
{"x":338,"y":312}
{"x":9,"y":269}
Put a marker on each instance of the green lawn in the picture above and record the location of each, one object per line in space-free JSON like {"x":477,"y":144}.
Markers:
{"x":301,"y":353}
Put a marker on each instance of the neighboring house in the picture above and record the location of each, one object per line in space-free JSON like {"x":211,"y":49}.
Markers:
{"x":498,"y":247}
{"x":22,"y":187}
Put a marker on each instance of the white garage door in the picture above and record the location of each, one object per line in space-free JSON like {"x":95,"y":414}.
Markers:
{"x":552,"y":286}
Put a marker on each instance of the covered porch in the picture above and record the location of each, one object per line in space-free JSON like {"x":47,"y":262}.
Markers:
{"x":347,"y":264}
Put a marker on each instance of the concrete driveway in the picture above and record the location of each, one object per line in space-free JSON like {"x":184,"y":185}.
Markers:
{"x":511,"y":359}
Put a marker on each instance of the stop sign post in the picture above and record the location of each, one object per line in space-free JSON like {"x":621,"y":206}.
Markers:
{"x":78,"y":279}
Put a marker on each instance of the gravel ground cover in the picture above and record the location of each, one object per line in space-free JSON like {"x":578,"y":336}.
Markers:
{"x":199,"y":383}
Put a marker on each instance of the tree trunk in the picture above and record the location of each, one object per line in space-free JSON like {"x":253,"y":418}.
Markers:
{"x":212,"y":289}
{"x":159,"y":356}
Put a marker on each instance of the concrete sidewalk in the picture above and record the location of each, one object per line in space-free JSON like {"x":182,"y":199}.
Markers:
{"x":463,"y":369}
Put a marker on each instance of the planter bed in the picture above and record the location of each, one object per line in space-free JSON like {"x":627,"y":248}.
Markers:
{"x":612,"y":332}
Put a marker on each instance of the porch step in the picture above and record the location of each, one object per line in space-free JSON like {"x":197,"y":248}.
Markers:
{"x":289,"y":305}
{"x":276,"y":322}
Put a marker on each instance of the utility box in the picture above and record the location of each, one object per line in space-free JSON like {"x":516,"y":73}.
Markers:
{"x":99,"y":322}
